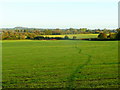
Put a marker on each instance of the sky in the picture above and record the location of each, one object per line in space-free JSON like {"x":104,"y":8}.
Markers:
{"x":92,"y":14}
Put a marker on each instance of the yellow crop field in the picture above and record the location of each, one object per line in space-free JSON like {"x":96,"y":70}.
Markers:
{"x":79,"y":36}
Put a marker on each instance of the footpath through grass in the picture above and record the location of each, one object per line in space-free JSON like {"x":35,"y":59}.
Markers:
{"x":60,"y":64}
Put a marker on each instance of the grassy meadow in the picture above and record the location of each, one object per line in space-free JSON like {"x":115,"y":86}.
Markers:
{"x":60,"y":64}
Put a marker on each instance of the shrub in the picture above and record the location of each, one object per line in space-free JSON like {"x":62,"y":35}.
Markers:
{"x":111,"y":36}
{"x":47,"y":38}
{"x":39,"y":38}
{"x":102,"y":36}
{"x":58,"y":38}
{"x":74,"y":37}
{"x":66,"y":37}
{"x":118,"y":35}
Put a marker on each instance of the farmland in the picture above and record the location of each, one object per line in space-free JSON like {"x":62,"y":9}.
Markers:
{"x":78,"y":36}
{"x":60,"y":64}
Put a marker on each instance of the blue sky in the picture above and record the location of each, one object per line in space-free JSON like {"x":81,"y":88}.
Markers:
{"x":59,"y":13}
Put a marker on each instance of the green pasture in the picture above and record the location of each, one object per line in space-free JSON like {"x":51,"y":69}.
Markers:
{"x":60,"y":64}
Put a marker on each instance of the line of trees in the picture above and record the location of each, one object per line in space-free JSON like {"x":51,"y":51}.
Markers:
{"x":58,"y":31}
{"x":9,"y":35}
{"x":115,"y":36}
{"x":21,"y":34}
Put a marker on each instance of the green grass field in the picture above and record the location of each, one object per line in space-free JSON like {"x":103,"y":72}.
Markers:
{"x":60,"y":64}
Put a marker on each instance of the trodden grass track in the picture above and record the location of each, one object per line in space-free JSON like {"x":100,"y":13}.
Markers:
{"x":60,"y":64}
